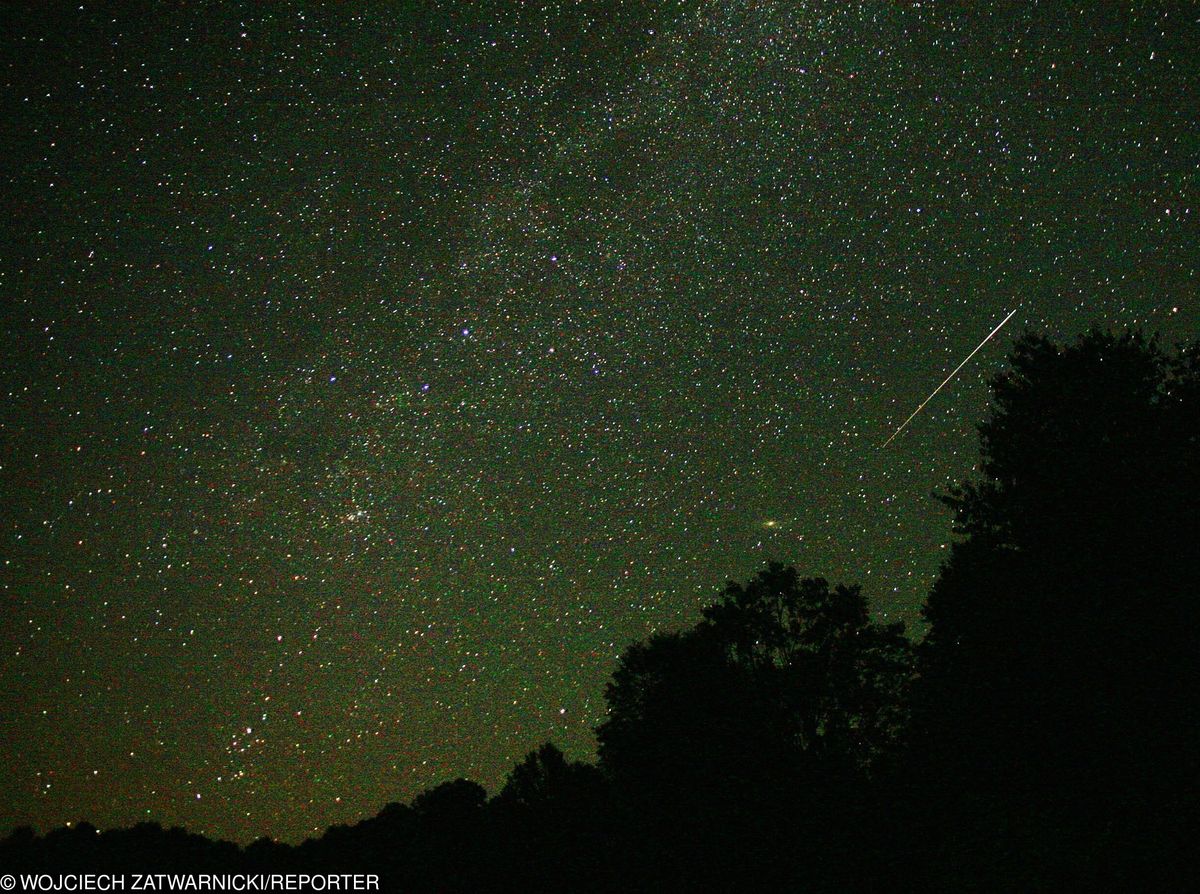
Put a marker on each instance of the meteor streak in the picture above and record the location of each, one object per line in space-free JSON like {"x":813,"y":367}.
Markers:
{"x":949,"y":377}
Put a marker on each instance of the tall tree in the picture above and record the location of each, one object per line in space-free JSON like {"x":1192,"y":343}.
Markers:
{"x":1059,"y":674}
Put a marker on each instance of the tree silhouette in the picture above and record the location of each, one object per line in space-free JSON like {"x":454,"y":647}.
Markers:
{"x":1058,"y":678}
{"x":747,"y":736}
{"x":545,"y":777}
{"x":840,"y":678}
{"x":553,"y":825}
{"x":678,"y":717}
{"x":451,"y":802}
{"x":780,"y":669}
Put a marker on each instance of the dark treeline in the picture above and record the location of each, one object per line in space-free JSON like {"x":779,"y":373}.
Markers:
{"x":1042,"y":736}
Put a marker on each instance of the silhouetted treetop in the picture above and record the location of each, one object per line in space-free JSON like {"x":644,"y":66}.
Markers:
{"x":451,"y":800}
{"x":546,"y":776}
{"x":1068,"y":607}
{"x":1082,"y":434}
{"x":781,"y":673}
{"x":841,"y":676}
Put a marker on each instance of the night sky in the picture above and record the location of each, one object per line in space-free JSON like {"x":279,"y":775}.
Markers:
{"x":373,"y":374}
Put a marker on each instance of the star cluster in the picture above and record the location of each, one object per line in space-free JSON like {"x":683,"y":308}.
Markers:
{"x":373,"y":376}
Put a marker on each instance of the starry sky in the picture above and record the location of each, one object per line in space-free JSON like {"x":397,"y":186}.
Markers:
{"x":374,"y":373}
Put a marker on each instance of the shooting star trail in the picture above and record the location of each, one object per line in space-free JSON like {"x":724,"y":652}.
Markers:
{"x":949,"y":377}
